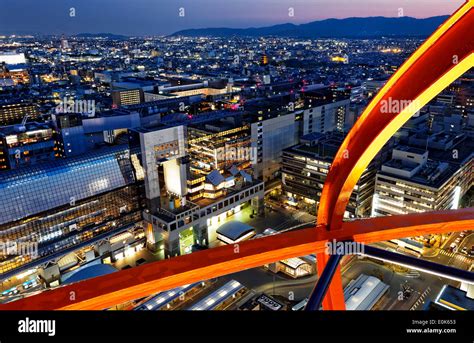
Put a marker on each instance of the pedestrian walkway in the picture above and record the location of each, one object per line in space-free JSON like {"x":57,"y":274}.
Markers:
{"x":421,"y":299}
{"x":460,"y":257}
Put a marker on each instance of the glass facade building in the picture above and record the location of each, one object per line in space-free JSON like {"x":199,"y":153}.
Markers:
{"x":86,"y":197}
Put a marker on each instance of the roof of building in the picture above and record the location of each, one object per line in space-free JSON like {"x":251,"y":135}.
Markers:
{"x":19,"y":129}
{"x":75,"y":178}
{"x":217,"y":297}
{"x":294,"y":262}
{"x":234,"y":229}
{"x":162,"y":299}
{"x":455,"y":299}
{"x":247,"y":177}
{"x":362,"y":293}
{"x":89,"y":272}
{"x":433,"y":174}
{"x":234,"y":170}
{"x":215,"y":177}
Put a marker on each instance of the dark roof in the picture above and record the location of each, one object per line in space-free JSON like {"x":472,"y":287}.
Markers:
{"x":90,"y":272}
{"x":234,"y":229}
{"x":455,"y":297}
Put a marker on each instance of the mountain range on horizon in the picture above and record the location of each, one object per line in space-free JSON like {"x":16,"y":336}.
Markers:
{"x":355,"y":27}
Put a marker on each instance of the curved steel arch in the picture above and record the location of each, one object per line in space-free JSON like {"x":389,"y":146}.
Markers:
{"x":439,"y":61}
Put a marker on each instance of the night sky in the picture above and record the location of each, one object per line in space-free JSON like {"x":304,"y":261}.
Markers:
{"x":155,"y":17}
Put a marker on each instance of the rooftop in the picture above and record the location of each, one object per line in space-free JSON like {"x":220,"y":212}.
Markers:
{"x":234,"y":229}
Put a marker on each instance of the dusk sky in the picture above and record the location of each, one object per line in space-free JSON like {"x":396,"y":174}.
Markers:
{"x":140,"y":17}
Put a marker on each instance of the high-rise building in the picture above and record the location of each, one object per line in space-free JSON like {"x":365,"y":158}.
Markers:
{"x":304,"y":170}
{"x":175,"y":223}
{"x":412,"y":182}
{"x":325,"y":110}
{"x":28,"y":144}
{"x":126,"y":97}
{"x":64,"y":43}
{"x":14,"y":112}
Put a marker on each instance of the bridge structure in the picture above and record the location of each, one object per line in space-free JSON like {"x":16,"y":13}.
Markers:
{"x":440,"y":60}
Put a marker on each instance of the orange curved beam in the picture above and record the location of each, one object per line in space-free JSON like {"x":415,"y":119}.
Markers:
{"x":439,"y":61}
{"x":126,"y":285}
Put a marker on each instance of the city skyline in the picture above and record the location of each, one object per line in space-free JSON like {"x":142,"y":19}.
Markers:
{"x":147,"y":17}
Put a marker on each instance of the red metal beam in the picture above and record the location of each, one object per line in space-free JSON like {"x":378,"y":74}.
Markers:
{"x":125,"y":285}
{"x":334,"y":298}
{"x":442,"y":58}
{"x":445,"y":56}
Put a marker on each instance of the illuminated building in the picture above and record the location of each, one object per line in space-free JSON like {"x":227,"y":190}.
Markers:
{"x":13,"y":113}
{"x":412,"y":182}
{"x":271,"y":133}
{"x":304,"y":170}
{"x":127,"y":97}
{"x":28,"y":144}
{"x":276,"y":127}
{"x":264,"y":60}
{"x":71,"y":135}
{"x":64,"y":43}
{"x":68,"y":204}
{"x":217,"y":145}
{"x":234,"y":231}
{"x":339,"y":59}
{"x":13,"y":66}
{"x":12,"y":58}
{"x":325,"y":111}
{"x":294,"y":267}
{"x":373,"y":86}
{"x":176,"y":223}
{"x":364,"y":292}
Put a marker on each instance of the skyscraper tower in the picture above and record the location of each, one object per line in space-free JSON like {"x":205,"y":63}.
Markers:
{"x":64,"y":43}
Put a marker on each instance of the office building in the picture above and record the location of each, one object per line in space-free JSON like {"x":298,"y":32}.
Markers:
{"x":14,"y":112}
{"x":126,"y":97}
{"x":28,"y":144}
{"x":304,"y":169}
{"x":412,"y":182}
{"x":176,"y":223}
{"x":220,"y":145}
